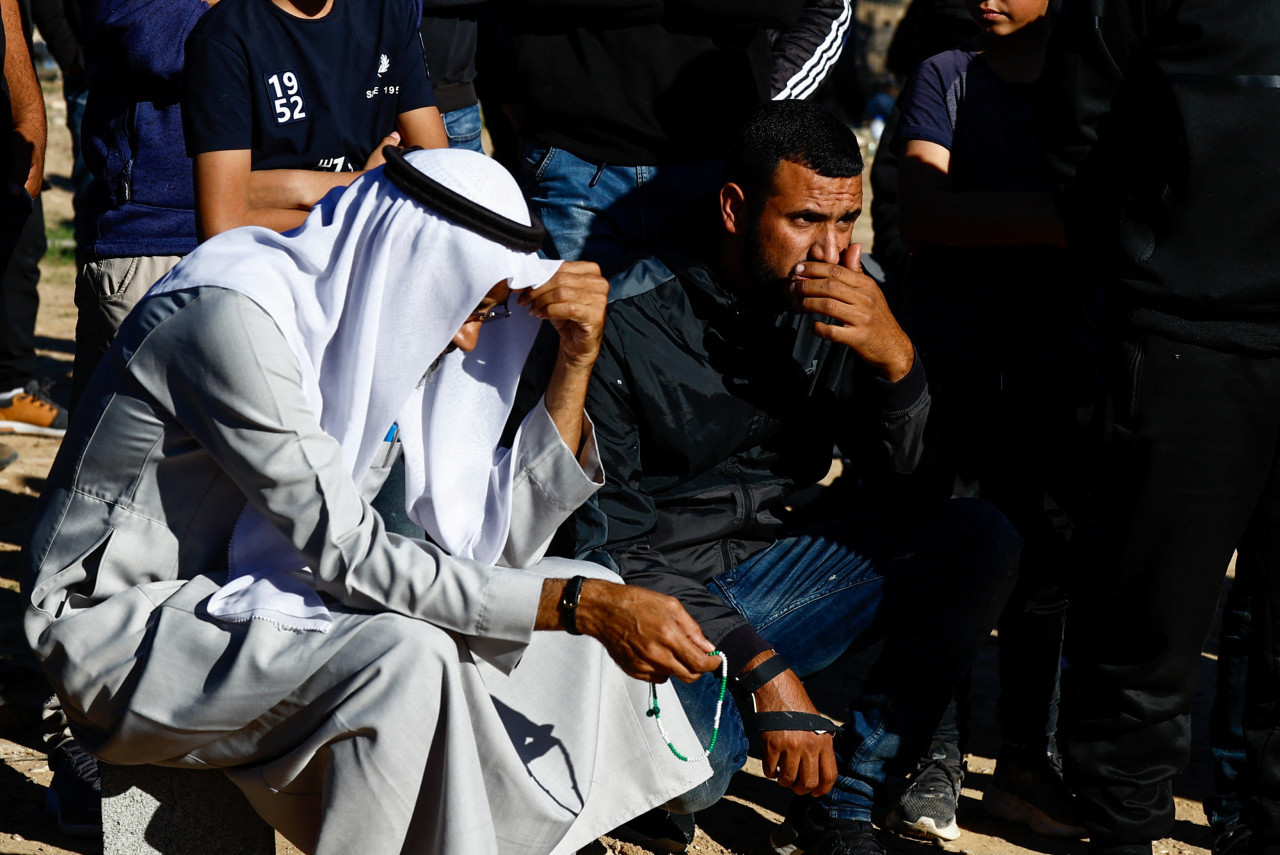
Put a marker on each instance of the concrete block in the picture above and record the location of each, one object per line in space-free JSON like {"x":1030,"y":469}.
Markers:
{"x":155,"y":810}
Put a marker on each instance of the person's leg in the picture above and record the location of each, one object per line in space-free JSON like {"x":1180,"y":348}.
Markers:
{"x":1194,"y":430}
{"x":77,"y":97}
{"x":463,"y":127}
{"x":1259,"y":565}
{"x":936,"y":584}
{"x":25,"y":405}
{"x":811,"y":596}
{"x":19,"y":298}
{"x":339,"y":765}
{"x":959,"y":566}
{"x":1039,"y":474}
{"x":1226,"y":720}
{"x":106,"y":290}
{"x":579,"y":203}
{"x":699,"y":700}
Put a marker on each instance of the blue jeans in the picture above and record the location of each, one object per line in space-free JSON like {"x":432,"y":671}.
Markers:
{"x":932,"y":588}
{"x":614,"y":215}
{"x":463,"y":128}
{"x":80,"y":175}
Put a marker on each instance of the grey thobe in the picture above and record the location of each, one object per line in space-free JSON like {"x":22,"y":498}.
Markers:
{"x":408,"y":726}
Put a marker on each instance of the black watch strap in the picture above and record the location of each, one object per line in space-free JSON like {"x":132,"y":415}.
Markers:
{"x":764,"y":672}
{"x":569,"y":605}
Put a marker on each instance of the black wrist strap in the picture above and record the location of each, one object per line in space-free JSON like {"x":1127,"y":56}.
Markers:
{"x":569,"y":605}
{"x":792,"y":720}
{"x":764,"y":672}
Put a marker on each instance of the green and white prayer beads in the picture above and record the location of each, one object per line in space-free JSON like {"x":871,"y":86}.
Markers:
{"x":656,"y":713}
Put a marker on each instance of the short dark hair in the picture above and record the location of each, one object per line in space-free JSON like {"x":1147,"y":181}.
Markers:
{"x":798,"y":131}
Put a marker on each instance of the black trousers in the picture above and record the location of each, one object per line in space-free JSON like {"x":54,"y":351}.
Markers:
{"x":1192,"y":474}
{"x":22,"y":245}
{"x":1024,"y":434}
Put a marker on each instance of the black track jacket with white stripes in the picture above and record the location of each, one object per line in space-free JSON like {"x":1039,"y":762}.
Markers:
{"x":648,"y":82}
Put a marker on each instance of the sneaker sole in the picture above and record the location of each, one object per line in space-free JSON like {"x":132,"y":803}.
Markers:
{"x":30,"y":429}
{"x":1004,"y":805}
{"x":784,"y":848}
{"x":782,"y":840}
{"x":923,"y":828}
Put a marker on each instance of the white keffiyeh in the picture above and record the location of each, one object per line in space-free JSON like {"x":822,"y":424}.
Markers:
{"x":368,"y":292}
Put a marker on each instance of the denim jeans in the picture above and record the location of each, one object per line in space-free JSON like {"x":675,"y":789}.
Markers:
{"x":463,"y":128}
{"x":611,"y":214}
{"x":931,"y":588}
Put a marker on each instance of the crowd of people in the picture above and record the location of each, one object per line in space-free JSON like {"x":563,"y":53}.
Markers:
{"x":368,"y":429}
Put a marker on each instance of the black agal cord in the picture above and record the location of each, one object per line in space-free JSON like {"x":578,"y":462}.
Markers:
{"x":458,"y":208}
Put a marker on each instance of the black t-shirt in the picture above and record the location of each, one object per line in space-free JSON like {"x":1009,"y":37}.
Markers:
{"x":299,"y":93}
{"x":992,"y":303}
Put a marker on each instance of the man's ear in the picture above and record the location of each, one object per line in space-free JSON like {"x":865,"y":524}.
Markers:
{"x":733,"y":209}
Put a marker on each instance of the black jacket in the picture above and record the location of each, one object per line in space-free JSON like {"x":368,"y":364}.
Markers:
{"x":1162,"y":121}
{"x":710,"y":412}
{"x":647,"y":82}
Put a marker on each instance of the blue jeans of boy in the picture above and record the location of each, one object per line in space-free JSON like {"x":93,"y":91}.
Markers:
{"x":931,"y":587}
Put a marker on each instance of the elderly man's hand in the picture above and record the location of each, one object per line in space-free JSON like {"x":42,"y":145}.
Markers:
{"x":648,"y":634}
{"x":846,"y":294}
{"x":574,"y":301}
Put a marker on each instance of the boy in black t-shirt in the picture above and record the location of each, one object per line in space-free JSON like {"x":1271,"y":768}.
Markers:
{"x":1003,"y":320}
{"x":287,"y":99}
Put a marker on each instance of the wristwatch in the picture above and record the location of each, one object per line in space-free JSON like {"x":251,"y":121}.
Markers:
{"x":569,"y":605}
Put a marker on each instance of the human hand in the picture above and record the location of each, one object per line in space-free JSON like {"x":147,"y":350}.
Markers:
{"x":649,"y":635}
{"x":800,"y":760}
{"x":846,"y":294}
{"x":376,"y":158}
{"x":574,"y":300}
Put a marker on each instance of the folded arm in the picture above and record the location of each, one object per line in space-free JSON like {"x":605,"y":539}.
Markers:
{"x":934,"y":212}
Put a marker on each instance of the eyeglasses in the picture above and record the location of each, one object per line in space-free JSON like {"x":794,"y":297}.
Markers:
{"x":496,"y":313}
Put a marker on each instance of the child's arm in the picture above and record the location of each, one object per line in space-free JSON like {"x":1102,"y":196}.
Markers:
{"x":230,"y":194}
{"x":934,"y":213}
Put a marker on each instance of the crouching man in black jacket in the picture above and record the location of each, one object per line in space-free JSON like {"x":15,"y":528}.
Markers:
{"x":721,"y":389}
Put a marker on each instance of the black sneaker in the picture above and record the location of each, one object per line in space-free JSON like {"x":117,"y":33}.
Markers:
{"x":1238,"y":840}
{"x":927,"y":809}
{"x":74,"y":796}
{"x":1031,"y":792}
{"x":808,"y":830}
{"x":659,"y":830}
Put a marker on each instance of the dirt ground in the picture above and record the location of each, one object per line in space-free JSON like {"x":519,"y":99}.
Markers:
{"x":739,"y":825}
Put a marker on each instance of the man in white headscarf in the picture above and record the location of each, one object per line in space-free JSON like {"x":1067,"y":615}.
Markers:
{"x":209,"y":586}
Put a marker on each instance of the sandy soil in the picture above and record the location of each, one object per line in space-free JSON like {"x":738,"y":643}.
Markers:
{"x":739,"y":825}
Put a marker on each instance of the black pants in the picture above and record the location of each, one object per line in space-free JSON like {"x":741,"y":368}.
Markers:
{"x":1193,"y":474}
{"x":22,"y":245}
{"x":1024,"y":435}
